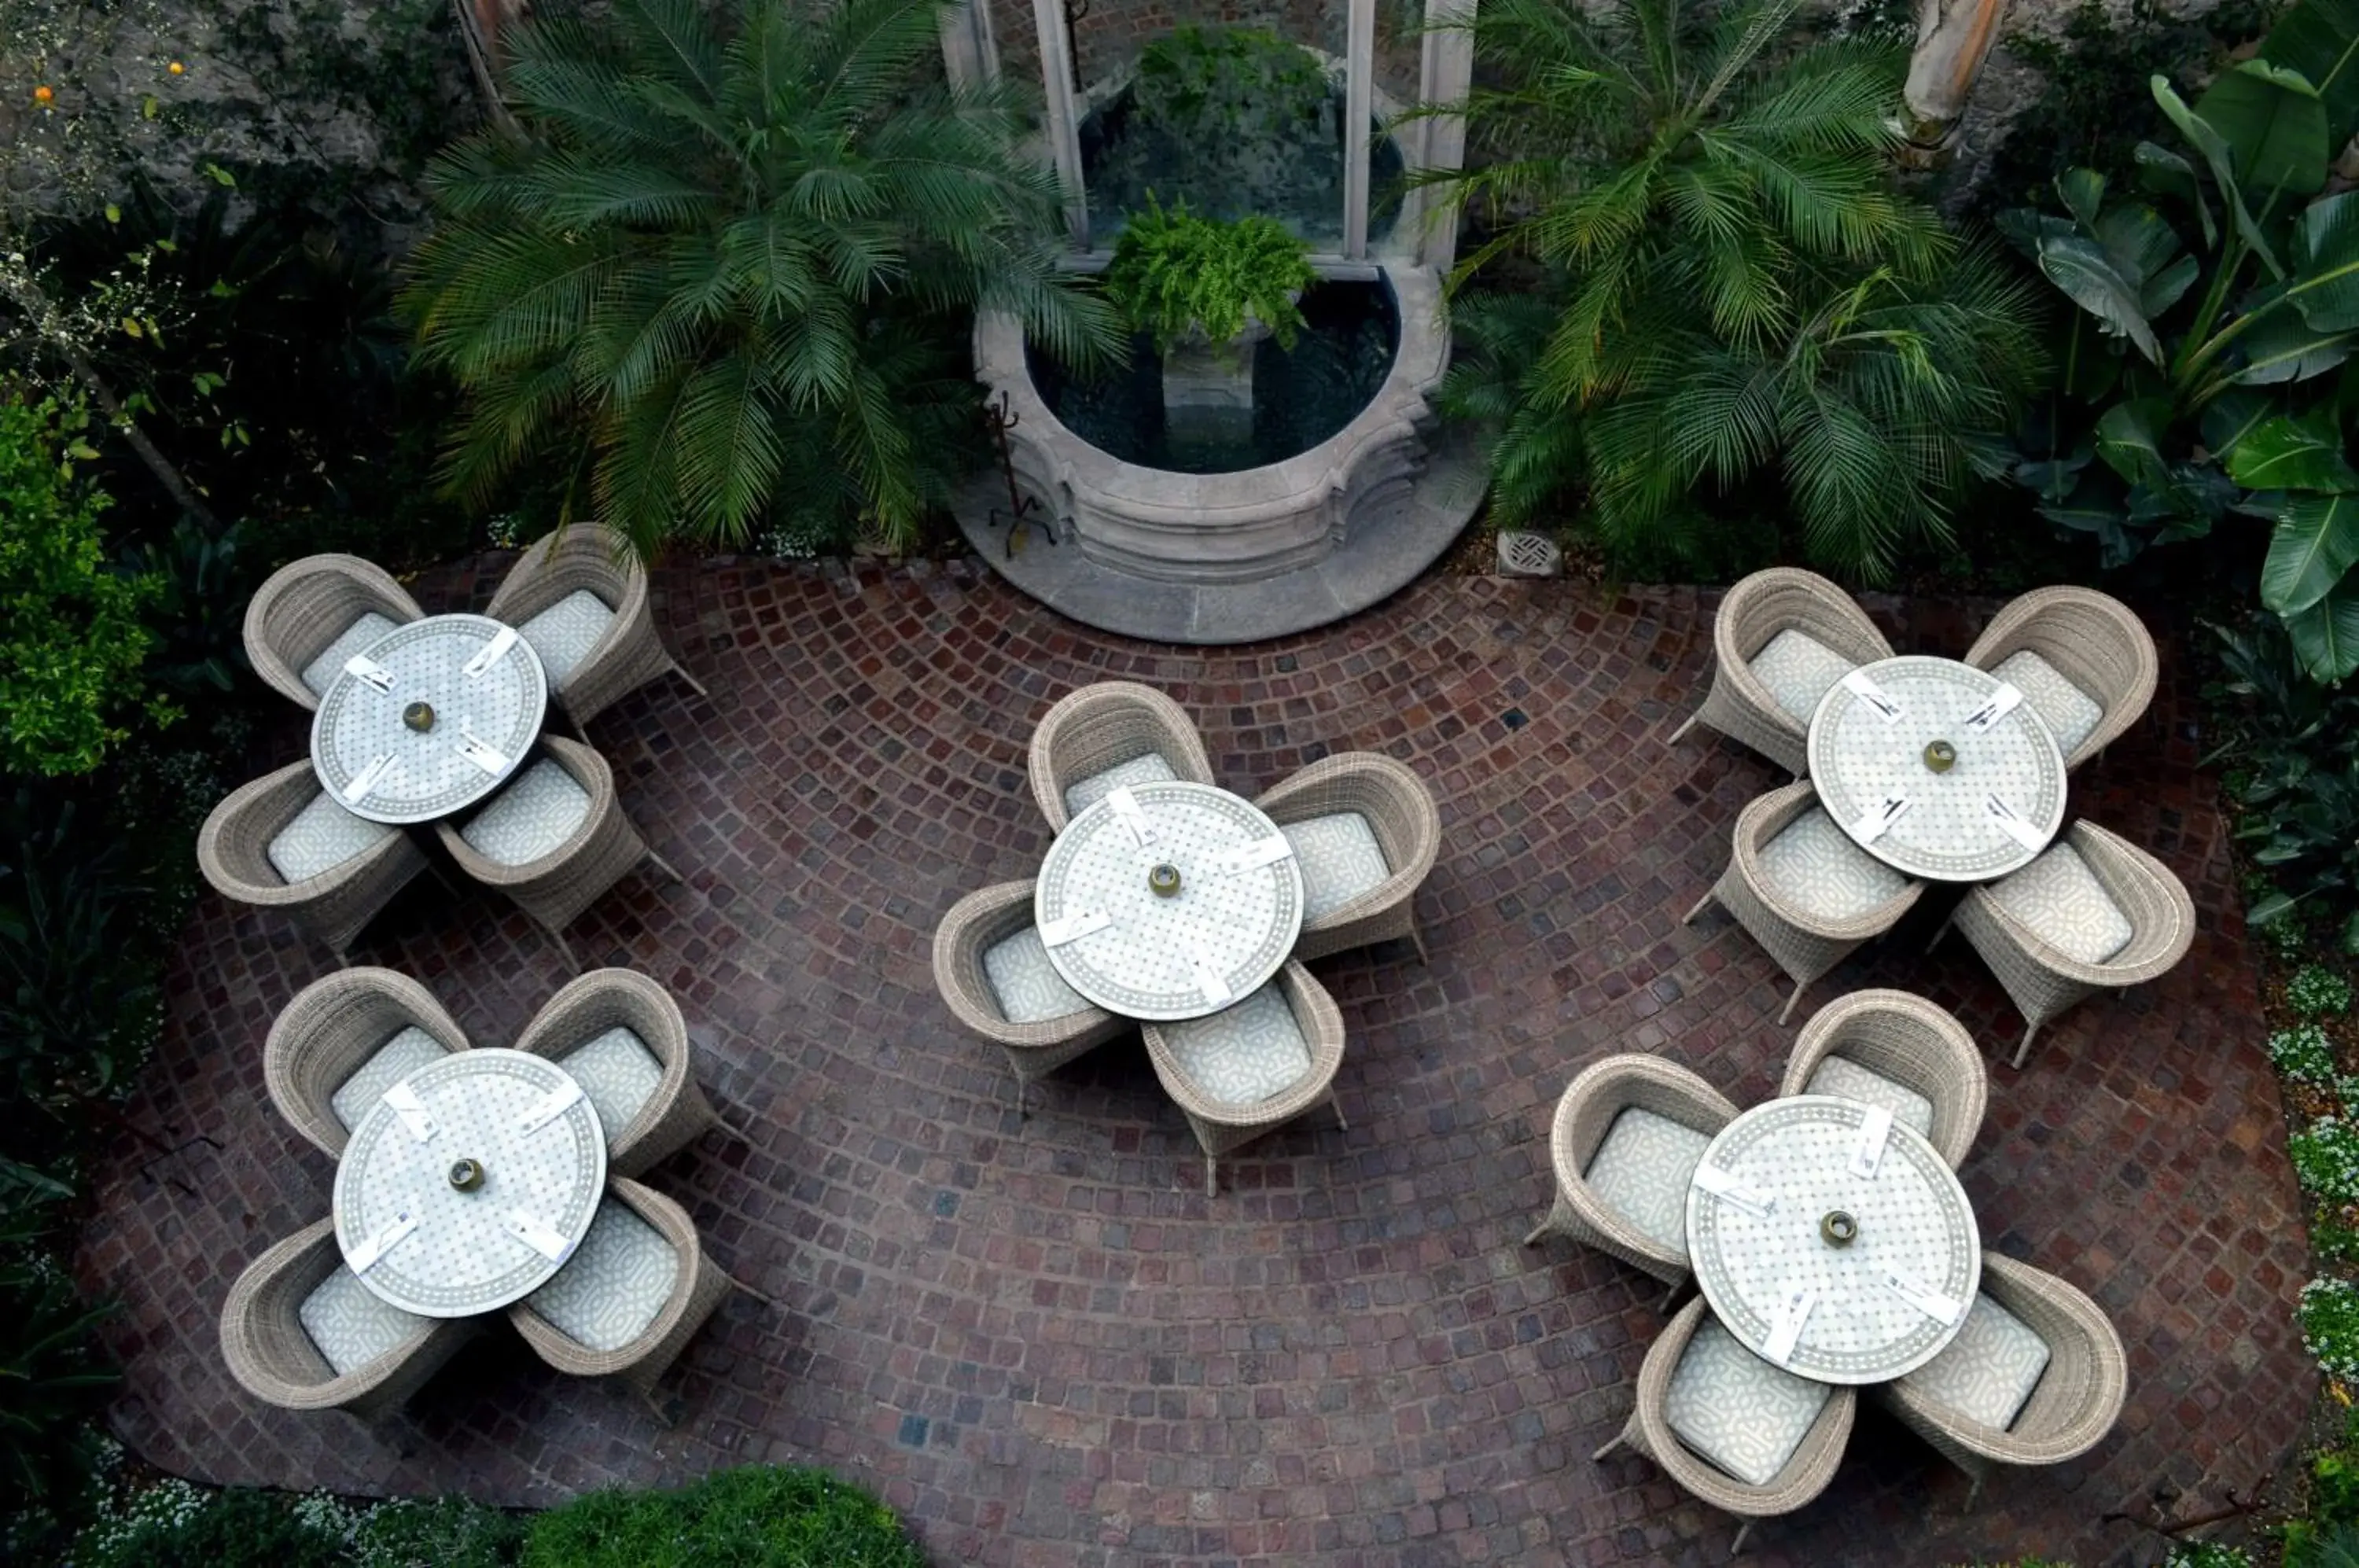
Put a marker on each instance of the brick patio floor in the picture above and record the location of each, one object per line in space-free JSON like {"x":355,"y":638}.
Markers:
{"x":1039,"y":1339}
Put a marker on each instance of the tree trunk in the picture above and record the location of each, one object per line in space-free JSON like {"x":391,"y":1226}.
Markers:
{"x":1954,"y":38}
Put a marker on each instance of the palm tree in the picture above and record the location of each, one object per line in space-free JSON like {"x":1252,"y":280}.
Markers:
{"x":1730,"y":287}
{"x":728,"y":263}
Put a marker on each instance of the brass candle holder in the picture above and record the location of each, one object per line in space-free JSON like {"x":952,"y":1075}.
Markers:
{"x":418,"y":716}
{"x":1163,"y":879}
{"x":1940,"y":755}
{"x":1837,"y":1228}
{"x":466,"y":1175}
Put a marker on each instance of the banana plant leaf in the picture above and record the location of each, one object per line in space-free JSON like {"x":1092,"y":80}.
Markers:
{"x":2218,"y":156}
{"x":2326,"y":636}
{"x":2270,"y":116}
{"x":2166,"y":173}
{"x":2129,"y":440}
{"x":2145,"y":249}
{"x":2319,"y":39}
{"x":2285,"y":454}
{"x":2234,"y":415}
{"x":2325,"y":287}
{"x":2087,"y":273}
{"x":2314,"y":547}
{"x":2284,"y":347}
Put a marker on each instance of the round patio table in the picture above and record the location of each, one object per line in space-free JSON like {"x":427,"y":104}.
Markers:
{"x":1997,"y":806}
{"x":428,"y":1246}
{"x":1874,"y":1308}
{"x":1226,"y":929}
{"x":486,"y":712}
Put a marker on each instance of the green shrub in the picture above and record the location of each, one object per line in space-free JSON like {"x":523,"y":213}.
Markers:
{"x":437,"y":1532}
{"x":2330,"y":1325}
{"x":1175,"y":273}
{"x":755,"y":1517}
{"x":2308,"y":1547}
{"x":2296,"y":788}
{"x":70,"y":640}
{"x":2318,"y":993}
{"x":2303,"y":1054}
{"x":2335,"y":1485}
{"x":1217,"y":87}
{"x":176,"y":1525}
{"x":53,"y":1378}
{"x":2326,"y":1159}
{"x":2206,"y":1555}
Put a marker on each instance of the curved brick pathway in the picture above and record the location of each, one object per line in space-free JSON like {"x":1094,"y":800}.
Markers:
{"x":1039,"y":1339}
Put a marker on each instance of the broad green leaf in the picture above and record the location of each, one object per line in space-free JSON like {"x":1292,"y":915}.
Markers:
{"x":2272,"y":117}
{"x":2326,"y":636}
{"x":2293,"y":454}
{"x":2166,"y":173}
{"x":2321,"y":39}
{"x":2284,"y":347}
{"x":2083,"y":191}
{"x":2090,"y":365}
{"x":2233,"y":416}
{"x":2129,"y":436}
{"x":2315,"y":544}
{"x":2271,"y":908}
{"x":2053,"y":479}
{"x":2089,"y":278}
{"x":2325,"y":287}
{"x":2222,"y":164}
{"x":2146,"y":251}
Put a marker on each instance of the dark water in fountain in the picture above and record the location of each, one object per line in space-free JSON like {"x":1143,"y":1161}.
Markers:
{"x":1301,"y":397}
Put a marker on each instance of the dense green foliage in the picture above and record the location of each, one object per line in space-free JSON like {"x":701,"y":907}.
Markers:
{"x":1175,"y":275}
{"x":1225,"y":90}
{"x":726,"y":272}
{"x":2317,"y":992}
{"x":2222,"y":400}
{"x":52,"y":1378}
{"x":1734,"y":298}
{"x":71,"y":639}
{"x":755,"y":1517}
{"x":2293,"y":784}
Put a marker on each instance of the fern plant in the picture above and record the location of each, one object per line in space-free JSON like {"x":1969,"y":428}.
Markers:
{"x":1175,"y":274}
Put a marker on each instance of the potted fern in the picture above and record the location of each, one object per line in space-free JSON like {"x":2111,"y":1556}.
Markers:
{"x":1207,"y":291}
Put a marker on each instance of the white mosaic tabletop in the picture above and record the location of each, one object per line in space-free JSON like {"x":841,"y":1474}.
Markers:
{"x":1865,"y":1312}
{"x":1873,"y":777}
{"x":484,"y":724}
{"x":449,"y":1253}
{"x":1145,"y":955}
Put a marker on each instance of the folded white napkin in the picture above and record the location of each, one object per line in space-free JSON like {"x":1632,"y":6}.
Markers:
{"x":1861,"y":684}
{"x":1874,"y":1131}
{"x":535,"y":1232}
{"x":1253,"y":857}
{"x":1074,"y":927}
{"x":1785,"y":1325}
{"x":2017,"y":828}
{"x":1933,"y":1303}
{"x":558,"y":1101}
{"x":1134,"y":816}
{"x":364,"y":1257}
{"x":361,"y":667}
{"x":1756,"y":1201}
{"x":366,"y":779}
{"x":2001,"y":702}
{"x":411,"y":1110}
{"x":491,"y":653}
{"x":1208,"y":979}
{"x":1877,"y":820}
{"x":482,"y":753}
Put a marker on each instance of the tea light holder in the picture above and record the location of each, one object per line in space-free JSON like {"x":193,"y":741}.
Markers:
{"x":418,"y":716}
{"x":1940,"y":755}
{"x":1837,"y":1228}
{"x":466,"y":1175}
{"x":1163,"y":879}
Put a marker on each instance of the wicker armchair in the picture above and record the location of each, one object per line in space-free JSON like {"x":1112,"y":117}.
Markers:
{"x":311,"y":606}
{"x":1900,"y":1052}
{"x":598,"y":1316}
{"x":331,"y":906}
{"x":620,"y":1036}
{"x":502,"y":848}
{"x":2078,"y":1397}
{"x":388,"y":1354}
{"x":2085,"y":663}
{"x":342,"y":1041}
{"x":1649,"y":1233}
{"x":2042,"y":979}
{"x":1650,"y":1430}
{"x":989,"y":966}
{"x":1354,"y":898}
{"x":1744,"y":703}
{"x":1810,"y":918}
{"x":1103,"y":735}
{"x":1293,"y":1005}
{"x":594,"y":651}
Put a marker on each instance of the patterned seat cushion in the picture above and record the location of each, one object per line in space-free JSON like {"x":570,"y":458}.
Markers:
{"x":1736,"y":1410}
{"x":1814,"y":867}
{"x":322,"y":836}
{"x":321,"y":672}
{"x":2071,"y":713}
{"x":1641,"y":1170}
{"x":563,"y":634}
{"x":1989,"y":1370}
{"x":1798,"y":669}
{"x":350,"y":1324}
{"x":1245,"y":1053}
{"x":617,"y":1281}
{"x":397,"y":1059}
{"x":532,"y":816}
{"x":1340,"y":859}
{"x":1025,"y":983}
{"x":618,"y":1075}
{"x":2059,"y":897}
{"x":1842,"y":1075}
{"x":1084,"y":793}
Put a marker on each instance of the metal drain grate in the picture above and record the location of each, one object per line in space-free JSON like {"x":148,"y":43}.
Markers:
{"x":1529,"y":555}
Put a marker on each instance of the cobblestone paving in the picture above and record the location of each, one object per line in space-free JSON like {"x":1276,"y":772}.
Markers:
{"x":1038,"y":1338}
